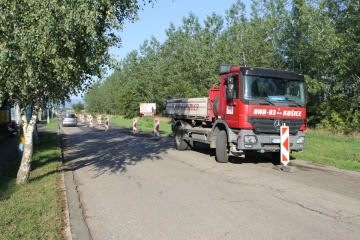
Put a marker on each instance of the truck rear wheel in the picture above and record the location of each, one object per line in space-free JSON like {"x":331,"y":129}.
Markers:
{"x":180,"y":143}
{"x":222,"y":155}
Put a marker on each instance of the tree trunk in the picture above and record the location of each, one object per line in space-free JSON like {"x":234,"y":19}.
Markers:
{"x":25,"y":165}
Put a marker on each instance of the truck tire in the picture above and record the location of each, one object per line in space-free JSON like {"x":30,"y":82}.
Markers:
{"x":180,"y":143}
{"x":222,"y":155}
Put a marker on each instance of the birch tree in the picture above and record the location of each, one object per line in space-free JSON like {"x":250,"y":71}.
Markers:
{"x":51,"y":49}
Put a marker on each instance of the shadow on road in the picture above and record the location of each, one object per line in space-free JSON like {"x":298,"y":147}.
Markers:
{"x":111,"y":151}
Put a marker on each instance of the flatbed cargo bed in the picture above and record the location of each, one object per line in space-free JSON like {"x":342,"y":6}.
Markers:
{"x":189,"y":108}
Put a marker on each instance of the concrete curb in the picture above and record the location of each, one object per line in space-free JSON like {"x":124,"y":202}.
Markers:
{"x":67,"y":229}
{"x":299,"y":163}
{"x":76,"y":227}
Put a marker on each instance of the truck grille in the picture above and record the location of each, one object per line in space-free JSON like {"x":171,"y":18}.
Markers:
{"x":266,"y":125}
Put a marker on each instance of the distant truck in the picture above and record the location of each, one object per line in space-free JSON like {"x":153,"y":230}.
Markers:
{"x":243,"y":113}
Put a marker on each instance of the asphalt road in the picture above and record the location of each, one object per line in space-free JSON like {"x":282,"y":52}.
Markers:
{"x":135,"y":186}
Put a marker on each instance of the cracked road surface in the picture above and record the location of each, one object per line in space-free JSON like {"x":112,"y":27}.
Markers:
{"x":134,"y":186}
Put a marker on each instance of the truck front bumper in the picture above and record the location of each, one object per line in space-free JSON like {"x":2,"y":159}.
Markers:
{"x":248,"y":140}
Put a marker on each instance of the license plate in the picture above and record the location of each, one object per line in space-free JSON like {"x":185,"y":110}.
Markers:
{"x":275,"y":140}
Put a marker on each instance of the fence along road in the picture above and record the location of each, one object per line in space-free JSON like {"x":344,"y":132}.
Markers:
{"x":135,"y":186}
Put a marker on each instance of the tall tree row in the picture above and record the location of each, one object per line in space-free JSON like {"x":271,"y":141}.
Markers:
{"x":317,"y":38}
{"x":324,"y":45}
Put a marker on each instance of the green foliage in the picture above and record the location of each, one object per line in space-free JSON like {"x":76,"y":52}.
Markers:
{"x":340,"y":117}
{"x":50,"y":49}
{"x":317,"y":38}
{"x":78,"y":107}
{"x":324,"y":32}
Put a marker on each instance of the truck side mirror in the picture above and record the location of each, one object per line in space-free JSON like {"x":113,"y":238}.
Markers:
{"x":230,"y":88}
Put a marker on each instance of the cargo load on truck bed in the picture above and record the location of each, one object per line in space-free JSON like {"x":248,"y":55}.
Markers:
{"x":191,"y":108}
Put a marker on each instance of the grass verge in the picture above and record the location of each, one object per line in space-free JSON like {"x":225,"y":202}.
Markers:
{"x":145,"y":124}
{"x":33,"y":211}
{"x":52,"y":126}
{"x":330,"y":149}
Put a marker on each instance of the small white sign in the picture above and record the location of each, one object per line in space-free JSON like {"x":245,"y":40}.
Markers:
{"x":147,"y":109}
{"x":230,"y":110}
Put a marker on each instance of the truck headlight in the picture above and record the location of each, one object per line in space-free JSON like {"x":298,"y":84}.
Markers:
{"x":250,"y":139}
{"x":300,"y":140}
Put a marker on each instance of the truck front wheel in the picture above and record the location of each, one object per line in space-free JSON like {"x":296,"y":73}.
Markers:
{"x":222,"y":155}
{"x":180,"y":143}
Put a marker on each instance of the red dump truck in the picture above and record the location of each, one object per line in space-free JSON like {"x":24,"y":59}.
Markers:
{"x":243,"y":113}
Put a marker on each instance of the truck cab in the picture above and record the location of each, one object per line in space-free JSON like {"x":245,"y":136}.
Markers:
{"x":256,"y":102}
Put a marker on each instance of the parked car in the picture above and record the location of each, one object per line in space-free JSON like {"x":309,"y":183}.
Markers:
{"x":69,"y":119}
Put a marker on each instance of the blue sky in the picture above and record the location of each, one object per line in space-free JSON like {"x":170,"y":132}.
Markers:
{"x":154,"y":20}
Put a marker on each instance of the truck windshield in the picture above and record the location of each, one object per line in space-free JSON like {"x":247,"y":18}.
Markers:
{"x":273,"y":90}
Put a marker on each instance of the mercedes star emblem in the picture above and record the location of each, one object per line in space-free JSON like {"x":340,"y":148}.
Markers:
{"x":277,"y":124}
